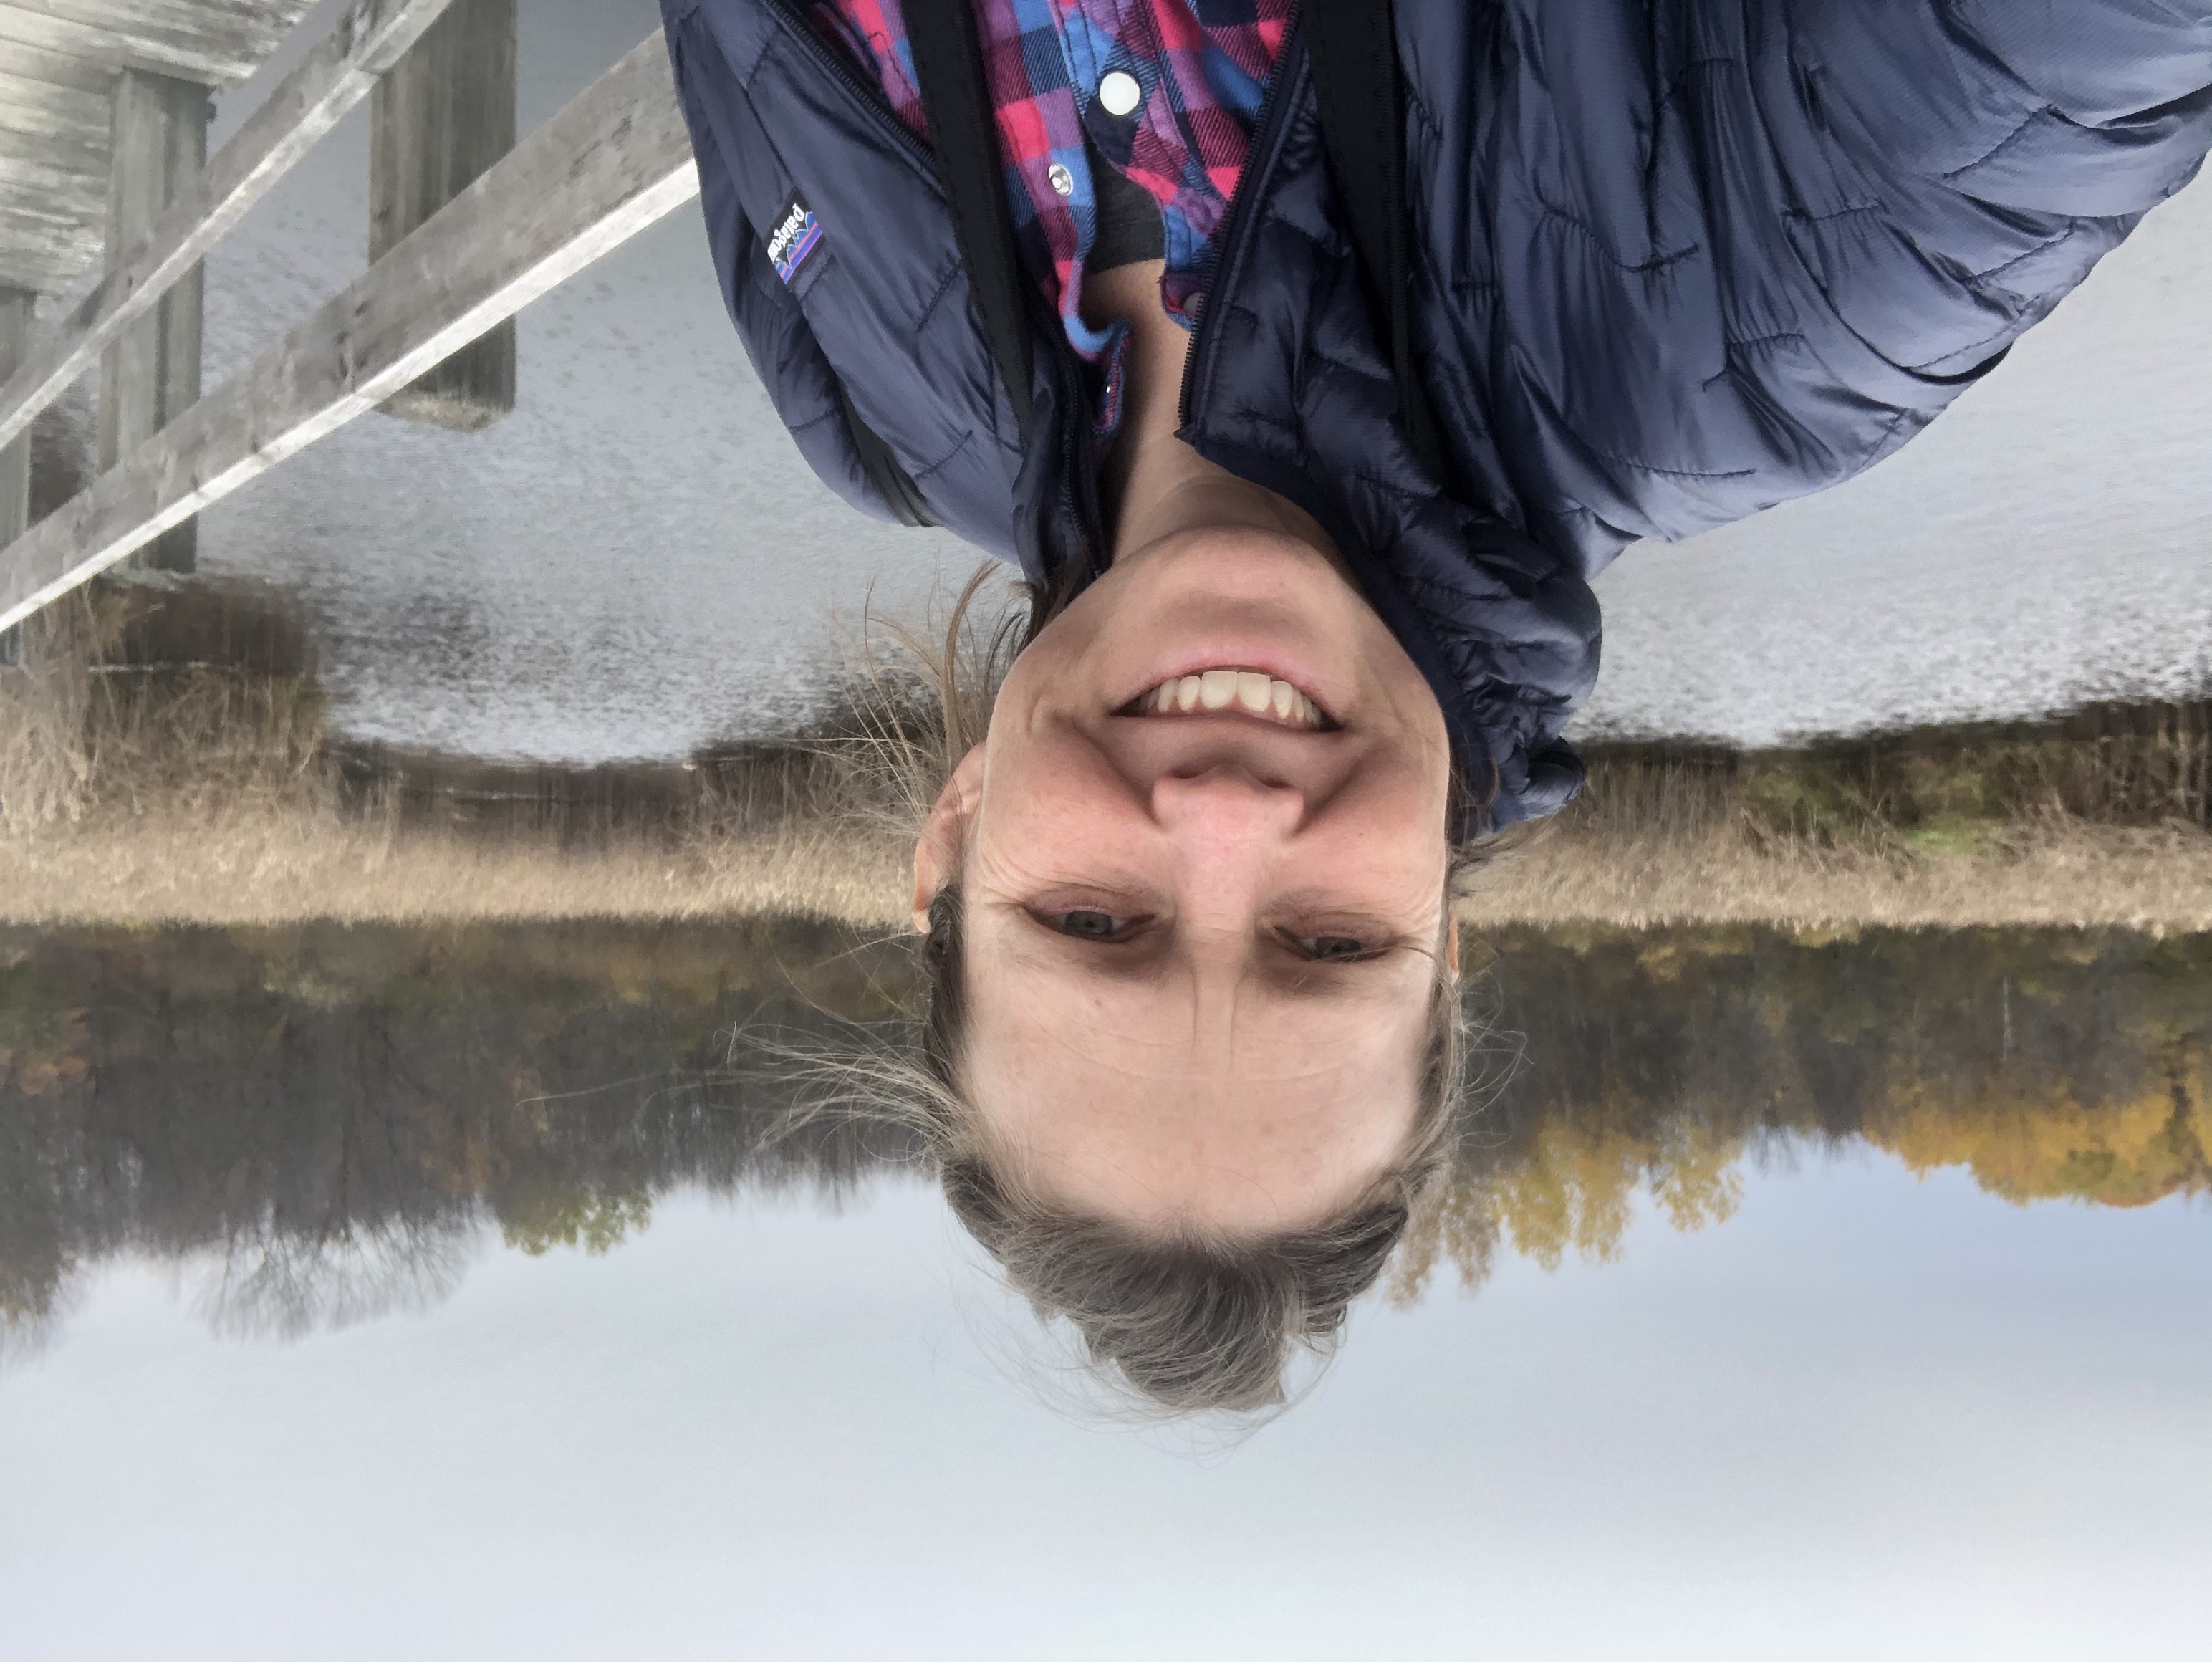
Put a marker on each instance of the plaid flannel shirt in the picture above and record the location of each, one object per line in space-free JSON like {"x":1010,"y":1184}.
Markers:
{"x":1202,"y":68}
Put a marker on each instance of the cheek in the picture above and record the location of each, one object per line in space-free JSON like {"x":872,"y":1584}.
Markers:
{"x":1392,"y":828}
{"x":1049,"y":792}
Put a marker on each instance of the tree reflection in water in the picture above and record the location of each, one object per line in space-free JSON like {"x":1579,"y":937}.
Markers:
{"x":321,"y":1124}
{"x":2053,"y":1064}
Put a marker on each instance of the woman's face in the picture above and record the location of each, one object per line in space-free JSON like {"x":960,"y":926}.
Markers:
{"x":1202,"y":943}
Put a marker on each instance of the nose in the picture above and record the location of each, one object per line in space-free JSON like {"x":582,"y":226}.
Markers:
{"x":1224,"y":806}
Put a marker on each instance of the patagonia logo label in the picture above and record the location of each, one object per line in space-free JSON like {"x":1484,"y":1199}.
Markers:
{"x":794,"y":237}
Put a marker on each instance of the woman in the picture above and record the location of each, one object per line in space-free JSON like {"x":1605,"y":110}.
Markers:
{"x":1309,"y":368}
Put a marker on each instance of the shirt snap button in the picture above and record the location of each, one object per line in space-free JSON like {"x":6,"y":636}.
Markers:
{"x":1118,"y":93}
{"x":1061,"y":180}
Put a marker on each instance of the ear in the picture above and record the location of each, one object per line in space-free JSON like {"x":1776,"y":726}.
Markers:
{"x":945,"y":834}
{"x":1451,"y":943}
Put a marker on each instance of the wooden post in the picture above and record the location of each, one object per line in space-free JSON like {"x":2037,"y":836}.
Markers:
{"x":15,"y":459}
{"x":151,"y":376}
{"x":439,"y":119}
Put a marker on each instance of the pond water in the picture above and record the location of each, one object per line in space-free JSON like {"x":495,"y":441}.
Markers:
{"x":635,"y":563}
{"x":372,"y":1292}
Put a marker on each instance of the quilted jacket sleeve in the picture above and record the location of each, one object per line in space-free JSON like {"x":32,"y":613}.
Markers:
{"x":2093,"y":109}
{"x":1688,"y":259}
{"x":2008,"y":144}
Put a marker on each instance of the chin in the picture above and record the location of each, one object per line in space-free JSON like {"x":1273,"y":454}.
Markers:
{"x":1235,"y":544}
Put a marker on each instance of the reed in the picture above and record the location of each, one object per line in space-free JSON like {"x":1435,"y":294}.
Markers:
{"x":2100,"y":817}
{"x":1940,"y":790}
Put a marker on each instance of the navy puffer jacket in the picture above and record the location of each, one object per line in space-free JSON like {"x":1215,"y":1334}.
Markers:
{"x":1674,"y":261}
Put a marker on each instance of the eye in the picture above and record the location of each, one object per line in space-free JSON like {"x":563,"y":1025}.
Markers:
{"x":1069,"y":917}
{"x":1087,"y":925}
{"x":1330,"y":940}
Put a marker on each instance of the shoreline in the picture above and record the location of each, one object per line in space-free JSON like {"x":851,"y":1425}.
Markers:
{"x":249,"y":870}
{"x":273,"y":861}
{"x":164,"y":760}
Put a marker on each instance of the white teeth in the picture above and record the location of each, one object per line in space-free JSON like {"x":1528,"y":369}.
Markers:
{"x":1223,"y":689}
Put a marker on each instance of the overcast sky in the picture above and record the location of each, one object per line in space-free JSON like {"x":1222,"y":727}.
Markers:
{"x":1868,"y":1417}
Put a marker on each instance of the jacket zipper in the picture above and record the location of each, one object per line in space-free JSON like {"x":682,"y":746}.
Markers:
{"x":1259,"y":159}
{"x":870,"y":97}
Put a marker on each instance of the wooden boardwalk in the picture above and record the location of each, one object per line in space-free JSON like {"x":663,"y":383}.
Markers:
{"x":58,"y":63}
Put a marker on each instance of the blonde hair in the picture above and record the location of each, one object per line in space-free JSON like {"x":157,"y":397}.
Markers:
{"x":1188,"y":1321}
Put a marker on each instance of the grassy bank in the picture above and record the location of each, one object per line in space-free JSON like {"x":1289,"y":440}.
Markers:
{"x":2102,"y":818}
{"x":163,"y":758}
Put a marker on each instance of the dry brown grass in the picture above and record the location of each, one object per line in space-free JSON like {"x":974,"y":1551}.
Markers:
{"x":2100,"y":820}
{"x":162,"y":759}
{"x":235,"y":869}
{"x":2059,"y":872}
{"x":45,"y":762}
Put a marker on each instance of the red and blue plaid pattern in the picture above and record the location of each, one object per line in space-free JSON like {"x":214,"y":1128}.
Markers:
{"x":1202,"y":67}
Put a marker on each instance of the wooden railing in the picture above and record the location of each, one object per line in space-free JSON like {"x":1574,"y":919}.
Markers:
{"x":615,"y":159}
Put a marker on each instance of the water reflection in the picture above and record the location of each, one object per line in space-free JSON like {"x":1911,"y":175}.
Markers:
{"x":2052,"y":1064}
{"x":321,"y":1124}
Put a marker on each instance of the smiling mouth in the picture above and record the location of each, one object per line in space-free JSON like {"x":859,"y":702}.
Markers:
{"x":1238,"y":692}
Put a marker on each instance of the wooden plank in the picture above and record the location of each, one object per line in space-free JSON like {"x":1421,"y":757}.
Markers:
{"x":368,"y":40}
{"x":85,"y":74}
{"x":63,"y":187}
{"x":55,"y":247}
{"x":151,"y":373}
{"x":48,"y":159}
{"x":44,"y":212}
{"x":15,"y":306}
{"x":613,"y":162}
{"x":31,"y":105}
{"x":444,"y":114}
{"x":36,"y":271}
{"x":215,"y":42}
{"x":48,"y":220}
